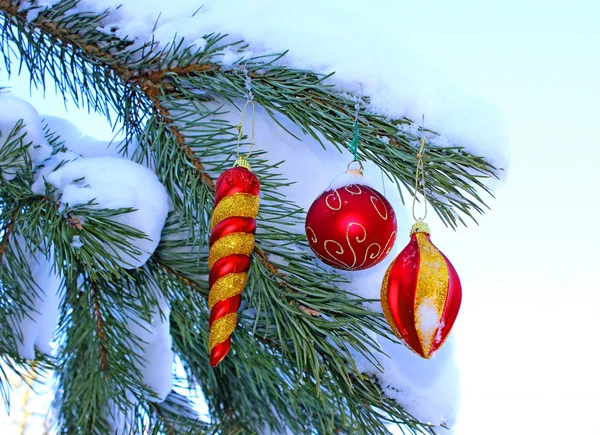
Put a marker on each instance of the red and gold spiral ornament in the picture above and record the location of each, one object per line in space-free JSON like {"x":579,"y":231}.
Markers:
{"x":231,"y":243}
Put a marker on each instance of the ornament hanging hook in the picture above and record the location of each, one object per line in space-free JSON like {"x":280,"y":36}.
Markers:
{"x":421,"y":169}
{"x":354,"y":144}
{"x":242,"y":160}
{"x":355,"y":171}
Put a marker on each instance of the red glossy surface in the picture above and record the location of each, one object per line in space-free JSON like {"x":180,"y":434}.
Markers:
{"x":402,"y":291}
{"x":233,"y":181}
{"x":235,"y":224}
{"x":402,"y":295}
{"x":219,"y":352}
{"x":453,"y":301}
{"x":351,"y":228}
{"x":231,"y":264}
{"x":236,"y":180}
{"x":222,"y":308}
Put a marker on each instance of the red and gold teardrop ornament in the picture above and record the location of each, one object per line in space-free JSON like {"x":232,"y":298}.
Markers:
{"x":421,"y":294}
{"x":231,"y":243}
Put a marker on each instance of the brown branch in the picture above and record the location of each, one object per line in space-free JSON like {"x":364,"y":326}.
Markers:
{"x":149,"y":83}
{"x":151,"y":86}
{"x":152,"y":92}
{"x":99,"y":328}
{"x":156,"y":77}
{"x":170,"y":429}
{"x":180,"y":276}
{"x":272,"y":269}
{"x":8,"y":231}
{"x":262,"y":256}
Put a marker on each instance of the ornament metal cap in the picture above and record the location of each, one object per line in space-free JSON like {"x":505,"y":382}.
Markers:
{"x":242,"y":162}
{"x":353,"y":171}
{"x":420,"y":227}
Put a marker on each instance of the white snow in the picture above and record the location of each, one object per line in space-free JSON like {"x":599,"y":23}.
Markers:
{"x":430,"y":389}
{"x":76,"y":242}
{"x":365,"y":47}
{"x":93,"y":171}
{"x":112,"y":182}
{"x":364,"y":44}
{"x":427,"y":320}
{"x":153,"y":352}
{"x":81,"y":144}
{"x":348,"y":178}
{"x":37,"y":324}
{"x":154,"y":348}
{"x":12,"y":110}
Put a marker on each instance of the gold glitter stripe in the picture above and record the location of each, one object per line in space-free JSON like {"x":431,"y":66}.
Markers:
{"x":226,"y":287}
{"x":385,"y":305}
{"x":221,"y":329}
{"x":374,"y":201}
{"x":432,"y":283}
{"x":234,"y":243}
{"x":238,"y":204}
{"x":335,"y":195}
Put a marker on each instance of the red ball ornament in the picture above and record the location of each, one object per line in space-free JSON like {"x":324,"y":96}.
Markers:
{"x":421,"y":294}
{"x":351,"y":227}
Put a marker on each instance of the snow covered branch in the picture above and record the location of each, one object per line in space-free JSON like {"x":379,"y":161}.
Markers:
{"x":125,"y":226}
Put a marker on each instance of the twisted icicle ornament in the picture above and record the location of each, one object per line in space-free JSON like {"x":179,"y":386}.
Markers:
{"x":231,"y":242}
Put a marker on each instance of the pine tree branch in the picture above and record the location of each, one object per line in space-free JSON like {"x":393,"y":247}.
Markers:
{"x":99,"y":328}
{"x":311,"y":354}
{"x":453,"y":174}
{"x":146,"y":81}
{"x":157,"y":77}
{"x":8,"y":231}
{"x":151,"y":85}
{"x":180,"y":276}
{"x":262,"y":256}
{"x":63,"y":35}
{"x":170,"y":429}
{"x":149,"y":82}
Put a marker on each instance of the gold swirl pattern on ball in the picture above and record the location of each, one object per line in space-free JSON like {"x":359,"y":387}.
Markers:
{"x":379,"y":252}
{"x":338,"y":249}
{"x":353,"y":189}
{"x":332,"y":196}
{"x":313,"y":236}
{"x":382,"y":214}
{"x":334,"y":248}
{"x":332,"y":257}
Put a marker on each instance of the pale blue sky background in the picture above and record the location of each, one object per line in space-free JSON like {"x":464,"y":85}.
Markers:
{"x":529,"y":329}
{"x":529,"y":326}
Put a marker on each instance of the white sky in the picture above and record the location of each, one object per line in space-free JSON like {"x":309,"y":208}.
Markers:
{"x":528,"y":329}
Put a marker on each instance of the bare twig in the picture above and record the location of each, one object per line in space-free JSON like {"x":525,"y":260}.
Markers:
{"x":99,"y":327}
{"x":8,"y":231}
